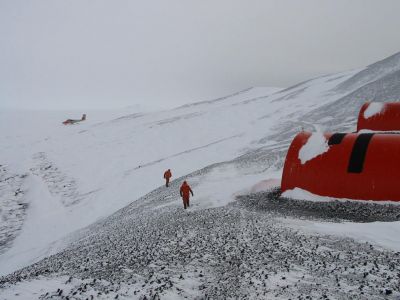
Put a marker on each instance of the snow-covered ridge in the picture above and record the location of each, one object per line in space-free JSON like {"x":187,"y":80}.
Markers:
{"x":373,"y":72}
{"x":248,"y":93}
{"x":105,"y":163}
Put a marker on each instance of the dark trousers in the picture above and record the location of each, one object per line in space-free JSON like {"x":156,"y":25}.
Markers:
{"x":166,"y":182}
{"x":185,"y":202}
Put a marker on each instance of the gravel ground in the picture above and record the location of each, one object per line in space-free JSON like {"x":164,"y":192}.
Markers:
{"x":355,"y":211}
{"x":153,"y":248}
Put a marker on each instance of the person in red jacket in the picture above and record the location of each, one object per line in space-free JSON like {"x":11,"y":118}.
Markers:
{"x":185,"y":194}
{"x":167,"y":176}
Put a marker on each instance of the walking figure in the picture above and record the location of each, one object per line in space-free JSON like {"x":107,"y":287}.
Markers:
{"x":167,"y":176}
{"x":185,"y":192}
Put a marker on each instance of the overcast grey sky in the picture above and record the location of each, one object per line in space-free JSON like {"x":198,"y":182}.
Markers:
{"x":93,"y":53}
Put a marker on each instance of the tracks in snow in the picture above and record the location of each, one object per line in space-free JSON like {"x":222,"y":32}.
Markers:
{"x":13,"y":206}
{"x":58,"y":183}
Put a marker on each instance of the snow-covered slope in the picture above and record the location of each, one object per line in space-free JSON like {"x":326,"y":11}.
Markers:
{"x":98,"y":167}
{"x":72,"y":176}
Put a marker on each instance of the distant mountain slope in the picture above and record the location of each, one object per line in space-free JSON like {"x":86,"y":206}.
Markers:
{"x":372,"y":73}
{"x":93,"y":169}
{"x":384,"y":89}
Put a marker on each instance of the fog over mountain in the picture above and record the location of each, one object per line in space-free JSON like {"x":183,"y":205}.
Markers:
{"x":102,"y":54}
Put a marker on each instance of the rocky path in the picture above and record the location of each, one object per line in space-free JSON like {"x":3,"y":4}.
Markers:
{"x":154,"y":249}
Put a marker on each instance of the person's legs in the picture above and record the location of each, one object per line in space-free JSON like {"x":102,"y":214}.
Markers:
{"x":185,"y":203}
{"x":166,"y":182}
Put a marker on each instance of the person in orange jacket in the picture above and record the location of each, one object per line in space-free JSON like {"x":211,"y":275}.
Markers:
{"x":167,"y":176}
{"x":185,"y":192}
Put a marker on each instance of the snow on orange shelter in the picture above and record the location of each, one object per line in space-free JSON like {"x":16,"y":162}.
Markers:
{"x":378,"y":116}
{"x":354,"y":165}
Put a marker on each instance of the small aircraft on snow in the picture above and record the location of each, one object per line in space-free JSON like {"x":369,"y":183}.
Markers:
{"x":71,"y":121}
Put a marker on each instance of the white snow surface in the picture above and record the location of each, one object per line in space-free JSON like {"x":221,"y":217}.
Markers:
{"x":222,"y":185}
{"x":316,"y":145}
{"x":300,"y":194}
{"x":37,"y":239}
{"x":373,"y":109}
{"x":103,"y":164}
{"x":382,"y":234}
{"x":37,"y":288}
{"x":266,"y":185}
{"x":81,"y":173}
{"x":377,"y":131}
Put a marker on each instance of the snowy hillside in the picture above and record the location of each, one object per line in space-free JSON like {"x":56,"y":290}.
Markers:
{"x":57,"y":179}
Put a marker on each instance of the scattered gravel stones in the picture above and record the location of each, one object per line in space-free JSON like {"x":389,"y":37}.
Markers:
{"x":338,"y":210}
{"x":239,"y":251}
